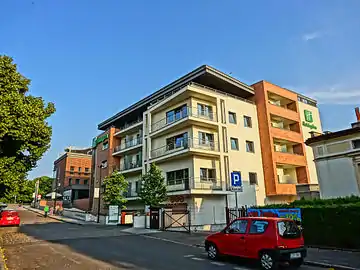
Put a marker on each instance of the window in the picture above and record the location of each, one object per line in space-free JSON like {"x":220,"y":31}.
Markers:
{"x":247,"y":121}
{"x":177,"y":141}
{"x":232,"y":118}
{"x":137,"y":186}
{"x":79,"y":169}
{"x":72,"y":168}
{"x":250,"y":147}
{"x":77,"y":181}
{"x":86,"y":182}
{"x":103,"y":164}
{"x":176,"y":114}
{"x":356,"y":144}
{"x":70,"y":181}
{"x":253,"y":178}
{"x":205,"y":110}
{"x":288,"y":229}
{"x":207,"y":174}
{"x":319,"y":151}
{"x":105,"y":145}
{"x":206,"y":139}
{"x":238,"y":226}
{"x":234,"y":143}
{"x":87,"y":170}
{"x":258,"y":226}
{"x":177,"y":177}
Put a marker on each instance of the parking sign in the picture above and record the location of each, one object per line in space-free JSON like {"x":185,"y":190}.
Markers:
{"x":236,"y":183}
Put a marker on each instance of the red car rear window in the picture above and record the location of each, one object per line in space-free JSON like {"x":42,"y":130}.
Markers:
{"x":288,"y":229}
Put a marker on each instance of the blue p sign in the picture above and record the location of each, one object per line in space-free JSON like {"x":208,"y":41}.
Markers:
{"x":236,"y":179}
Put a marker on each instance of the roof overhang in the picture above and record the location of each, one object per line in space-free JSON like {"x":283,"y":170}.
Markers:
{"x":332,"y":135}
{"x":204,"y":75}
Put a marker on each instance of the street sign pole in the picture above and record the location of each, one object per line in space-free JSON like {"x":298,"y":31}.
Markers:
{"x":236,"y":202}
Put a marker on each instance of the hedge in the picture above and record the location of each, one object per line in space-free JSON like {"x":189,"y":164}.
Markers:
{"x":332,"y":222}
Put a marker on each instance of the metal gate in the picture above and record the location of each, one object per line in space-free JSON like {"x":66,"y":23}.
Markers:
{"x":176,"y":220}
{"x":233,"y":213}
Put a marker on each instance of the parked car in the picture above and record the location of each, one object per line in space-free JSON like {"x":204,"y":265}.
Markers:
{"x":9,"y":218}
{"x":269,"y":240}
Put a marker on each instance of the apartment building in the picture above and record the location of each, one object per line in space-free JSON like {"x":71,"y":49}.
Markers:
{"x":198,"y":130}
{"x":337,"y":159}
{"x":286,"y":120}
{"x":201,"y":128}
{"x":72,"y":176}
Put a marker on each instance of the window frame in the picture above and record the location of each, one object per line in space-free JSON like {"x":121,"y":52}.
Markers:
{"x":246,"y":123}
{"x":235,"y":120}
{"x":105,"y":145}
{"x":86,"y":182}
{"x":174,"y":180}
{"x":238,"y":220}
{"x":252,"y":145}
{"x":236,"y":140}
{"x":207,"y":174}
{"x":258,"y":233}
{"x":77,"y":181}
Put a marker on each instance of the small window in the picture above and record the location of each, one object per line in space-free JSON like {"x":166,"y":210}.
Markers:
{"x":79,"y":169}
{"x":238,"y":226}
{"x":70,"y":181}
{"x":288,"y":229}
{"x":86,"y":182}
{"x":258,"y":226}
{"x":105,"y":145}
{"x":247,"y":121}
{"x":250,"y":147}
{"x":104,"y":164}
{"x":234,"y":143}
{"x":72,"y":168}
{"x":77,"y":181}
{"x":207,"y":174}
{"x":232,"y":118}
{"x":137,"y":186}
{"x":356,"y":144}
{"x":87,"y":170}
{"x":319,"y":151}
{"x":253,"y":178}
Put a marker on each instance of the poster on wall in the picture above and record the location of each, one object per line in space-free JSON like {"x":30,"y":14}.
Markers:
{"x":292,"y":213}
{"x":113,"y":214}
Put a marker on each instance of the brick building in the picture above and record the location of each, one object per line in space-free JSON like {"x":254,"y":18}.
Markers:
{"x":72,"y":177}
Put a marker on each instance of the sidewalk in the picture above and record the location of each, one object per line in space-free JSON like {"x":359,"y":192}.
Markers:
{"x":61,"y":218}
{"x":317,"y":257}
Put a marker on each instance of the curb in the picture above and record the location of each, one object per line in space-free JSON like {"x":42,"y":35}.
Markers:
{"x":3,"y":265}
{"x":329,"y":265}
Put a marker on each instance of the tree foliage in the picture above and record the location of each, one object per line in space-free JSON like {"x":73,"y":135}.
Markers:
{"x":153,"y":190}
{"x":24,"y":132}
{"x":115,"y":186}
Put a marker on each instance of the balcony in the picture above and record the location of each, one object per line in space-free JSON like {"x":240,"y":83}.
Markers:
{"x":284,"y":157}
{"x":128,"y":146}
{"x":286,"y":134}
{"x":193,"y":184}
{"x":129,"y":127}
{"x":185,"y":146}
{"x":178,"y":119}
{"x":128,"y":167}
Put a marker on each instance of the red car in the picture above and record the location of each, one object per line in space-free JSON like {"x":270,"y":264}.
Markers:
{"x":9,"y":218}
{"x":269,"y":240}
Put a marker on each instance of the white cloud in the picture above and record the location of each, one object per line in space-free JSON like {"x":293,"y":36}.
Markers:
{"x":336,"y":96}
{"x":311,"y":36}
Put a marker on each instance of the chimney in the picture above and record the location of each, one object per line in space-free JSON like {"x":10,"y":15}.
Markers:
{"x":357,"y":123}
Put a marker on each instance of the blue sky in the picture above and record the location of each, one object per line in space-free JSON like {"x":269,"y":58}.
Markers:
{"x":94,"y":58}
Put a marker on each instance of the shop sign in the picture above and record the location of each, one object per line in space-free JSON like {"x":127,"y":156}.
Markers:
{"x":100,"y":139}
{"x":308,"y":120}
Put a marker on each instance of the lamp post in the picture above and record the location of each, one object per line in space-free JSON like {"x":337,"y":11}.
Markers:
{"x":100,"y":183}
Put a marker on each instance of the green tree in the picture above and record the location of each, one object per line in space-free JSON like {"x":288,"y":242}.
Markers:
{"x":24,"y":132}
{"x":45,"y":184}
{"x":153,"y":191}
{"x":115,"y":186}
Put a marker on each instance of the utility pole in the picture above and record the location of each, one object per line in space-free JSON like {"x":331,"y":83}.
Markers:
{"x":36,"y":191}
{"x":56,"y":186}
{"x":100,"y":183}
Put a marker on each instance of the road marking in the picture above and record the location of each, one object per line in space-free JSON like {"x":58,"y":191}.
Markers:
{"x":197,"y":259}
{"x":218,"y":263}
{"x":240,"y":268}
{"x":167,"y":240}
{"x":188,"y":256}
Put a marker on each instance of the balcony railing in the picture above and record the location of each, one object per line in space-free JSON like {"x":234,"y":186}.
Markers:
{"x":193,"y":183}
{"x":188,"y":111}
{"x":287,"y":152}
{"x":131,"y":193}
{"x":287,"y":179}
{"x":185,"y":144}
{"x":127,"y":166}
{"x":281,"y":106}
{"x":128,"y":144}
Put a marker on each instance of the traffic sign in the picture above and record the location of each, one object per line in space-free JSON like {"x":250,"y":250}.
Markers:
{"x":236,"y":183}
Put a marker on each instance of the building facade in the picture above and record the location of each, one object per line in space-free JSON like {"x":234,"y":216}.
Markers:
{"x":285,"y":122}
{"x":337,"y":160}
{"x":72,"y":173}
{"x":198,"y":130}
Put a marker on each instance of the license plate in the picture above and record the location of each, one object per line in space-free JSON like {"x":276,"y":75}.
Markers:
{"x":10,"y":218}
{"x":296,"y":255}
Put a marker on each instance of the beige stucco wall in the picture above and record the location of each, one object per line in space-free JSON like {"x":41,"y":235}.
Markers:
{"x":306,"y":134}
{"x":241,"y":160}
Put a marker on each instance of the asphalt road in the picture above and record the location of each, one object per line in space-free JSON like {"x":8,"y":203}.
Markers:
{"x":48,"y":244}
